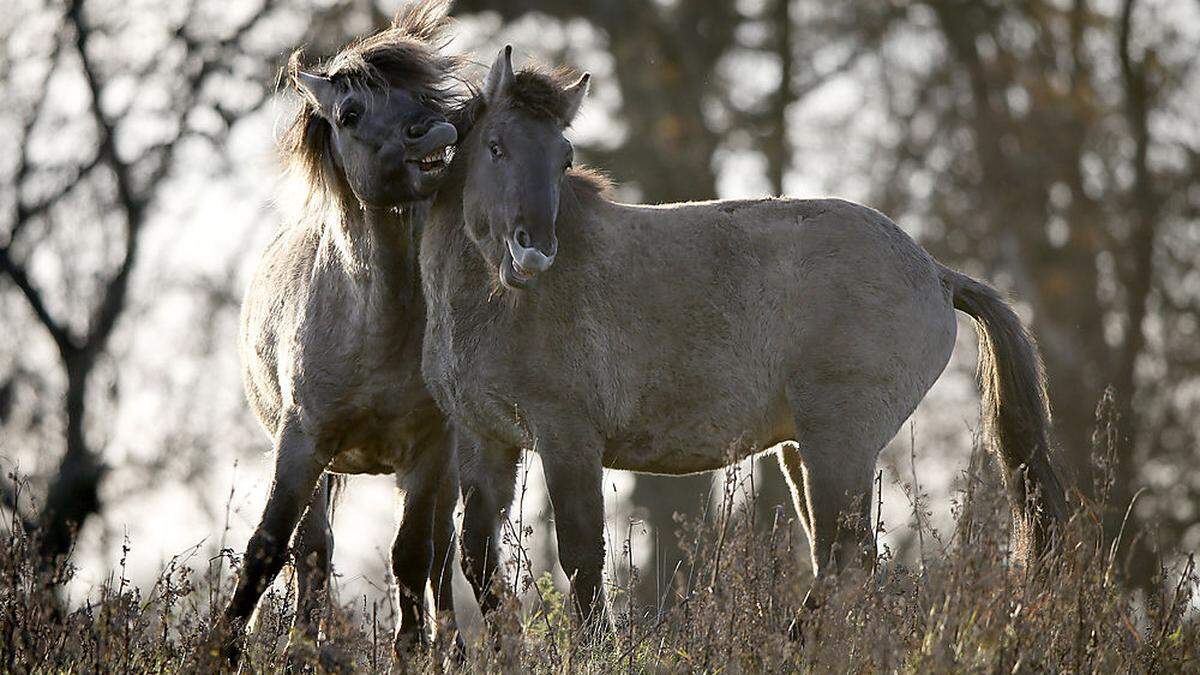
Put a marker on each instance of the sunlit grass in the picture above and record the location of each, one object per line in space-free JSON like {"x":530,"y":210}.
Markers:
{"x":963,"y":608}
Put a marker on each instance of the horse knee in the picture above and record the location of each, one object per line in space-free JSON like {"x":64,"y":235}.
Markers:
{"x":412,"y":559}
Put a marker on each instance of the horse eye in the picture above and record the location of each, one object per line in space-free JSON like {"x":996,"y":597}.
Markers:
{"x":348,"y":117}
{"x":495,"y":148}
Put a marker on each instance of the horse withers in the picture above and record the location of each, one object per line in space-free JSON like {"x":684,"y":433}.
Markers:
{"x":333,"y":321}
{"x":671,"y":339}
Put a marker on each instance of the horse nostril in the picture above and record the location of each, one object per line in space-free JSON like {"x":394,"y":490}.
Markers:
{"x":414,"y":131}
{"x":522,"y":237}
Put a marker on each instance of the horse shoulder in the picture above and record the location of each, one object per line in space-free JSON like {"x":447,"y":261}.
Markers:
{"x":293,"y":317}
{"x":263,"y":315}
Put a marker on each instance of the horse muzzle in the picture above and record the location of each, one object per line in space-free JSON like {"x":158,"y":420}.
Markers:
{"x":522,"y":265}
{"x":432,"y":150}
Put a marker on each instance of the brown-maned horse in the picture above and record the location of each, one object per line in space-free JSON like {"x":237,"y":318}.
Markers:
{"x":333,"y":321}
{"x":678,"y":338}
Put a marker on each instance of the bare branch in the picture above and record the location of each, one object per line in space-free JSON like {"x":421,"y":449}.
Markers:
{"x":62,"y":339}
{"x":117,"y":287}
{"x":28,"y":213}
{"x":195,"y":82}
{"x":23,"y":215}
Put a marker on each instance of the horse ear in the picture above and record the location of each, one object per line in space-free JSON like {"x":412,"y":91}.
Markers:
{"x":575,"y":95}
{"x":318,"y":89}
{"x":500,"y":76}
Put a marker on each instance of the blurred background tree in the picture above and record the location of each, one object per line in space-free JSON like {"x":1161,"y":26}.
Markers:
{"x":1049,"y":146}
{"x":108,"y":104}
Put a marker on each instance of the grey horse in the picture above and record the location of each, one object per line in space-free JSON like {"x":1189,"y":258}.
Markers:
{"x":333,"y":321}
{"x":679,"y":338}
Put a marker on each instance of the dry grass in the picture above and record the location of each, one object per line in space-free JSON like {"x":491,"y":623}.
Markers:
{"x":964,"y":607}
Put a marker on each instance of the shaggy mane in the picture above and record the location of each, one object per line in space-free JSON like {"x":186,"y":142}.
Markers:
{"x":589,"y":180}
{"x":541,"y":93}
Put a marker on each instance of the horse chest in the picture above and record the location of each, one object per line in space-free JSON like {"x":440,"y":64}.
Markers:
{"x":355,"y":360}
{"x":469,"y":375}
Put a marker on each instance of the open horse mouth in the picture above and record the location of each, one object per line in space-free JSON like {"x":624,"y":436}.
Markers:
{"x":520,"y":272}
{"x":435,"y":161}
{"x":513,"y":275}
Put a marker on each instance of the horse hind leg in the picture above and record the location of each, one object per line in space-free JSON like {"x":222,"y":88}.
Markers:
{"x":793,"y":471}
{"x":840,"y":432}
{"x":442,"y":573}
{"x":830,"y":471}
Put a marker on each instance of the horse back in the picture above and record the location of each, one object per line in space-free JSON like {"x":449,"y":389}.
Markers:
{"x":712,"y":308}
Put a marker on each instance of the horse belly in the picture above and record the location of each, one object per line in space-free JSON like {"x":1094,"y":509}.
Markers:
{"x":646,"y":454}
{"x":692,"y":443}
{"x":360,"y":461}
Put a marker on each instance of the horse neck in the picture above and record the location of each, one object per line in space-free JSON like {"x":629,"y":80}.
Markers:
{"x":376,"y":250}
{"x":375,"y":246}
{"x":445,"y":247}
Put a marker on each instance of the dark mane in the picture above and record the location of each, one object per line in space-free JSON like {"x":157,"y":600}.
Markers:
{"x":589,"y":181}
{"x":542,"y":93}
{"x":535,"y":90}
{"x":404,"y":55}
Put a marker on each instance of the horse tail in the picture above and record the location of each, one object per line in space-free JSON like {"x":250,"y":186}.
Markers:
{"x":1015,"y":413}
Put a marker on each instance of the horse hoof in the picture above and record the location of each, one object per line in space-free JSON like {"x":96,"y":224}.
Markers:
{"x":231,"y":653}
{"x":305,"y":657}
{"x":409,"y":644}
{"x":333,"y":659}
{"x":227,"y":641}
{"x":218,"y":652}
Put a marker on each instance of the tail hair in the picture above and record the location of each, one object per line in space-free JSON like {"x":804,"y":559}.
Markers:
{"x":1015,"y":414}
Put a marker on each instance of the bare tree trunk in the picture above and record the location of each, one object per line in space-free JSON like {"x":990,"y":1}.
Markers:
{"x":74,"y":494}
{"x":779,"y":150}
{"x":1142,"y":563}
{"x":128,"y":190}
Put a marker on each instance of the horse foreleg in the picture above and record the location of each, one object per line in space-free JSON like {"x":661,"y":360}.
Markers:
{"x":298,"y":466}
{"x":442,"y":574}
{"x":574,"y":481}
{"x":412,"y":550}
{"x":488,"y":483}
